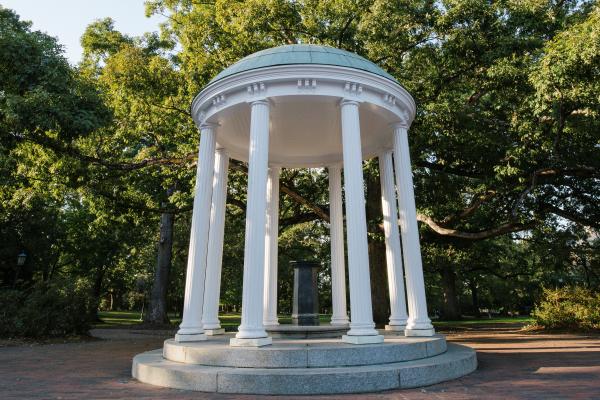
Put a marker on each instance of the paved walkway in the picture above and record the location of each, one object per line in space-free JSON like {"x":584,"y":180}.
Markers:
{"x":512,"y":365}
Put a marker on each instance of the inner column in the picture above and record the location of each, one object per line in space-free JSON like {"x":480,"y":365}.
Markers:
{"x":362,"y":328}
{"x":214,"y":259}
{"x":393,"y":251}
{"x":336,"y":231}
{"x":271,"y":243}
{"x":418,"y":323}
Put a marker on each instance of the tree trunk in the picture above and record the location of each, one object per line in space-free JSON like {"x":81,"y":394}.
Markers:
{"x":379,"y":285}
{"x":450,"y":309}
{"x":157,"y":308}
{"x":96,"y":292}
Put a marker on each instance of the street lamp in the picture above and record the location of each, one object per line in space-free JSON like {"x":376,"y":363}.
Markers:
{"x":21,"y":258}
{"x":20,"y":262}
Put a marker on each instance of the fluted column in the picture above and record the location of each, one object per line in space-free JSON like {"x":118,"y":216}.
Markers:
{"x":362,"y":329}
{"x":418,"y":323}
{"x":251,"y":331}
{"x":212,"y":286}
{"x":336,"y":229}
{"x":191,"y":328}
{"x":271,"y":243}
{"x":393,"y":251}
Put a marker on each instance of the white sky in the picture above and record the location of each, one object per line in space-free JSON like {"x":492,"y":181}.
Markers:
{"x":67,"y":19}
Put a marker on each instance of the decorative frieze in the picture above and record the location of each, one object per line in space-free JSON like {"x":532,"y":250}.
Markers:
{"x":388,"y":98}
{"x":353,"y":88}
{"x":218,"y":100}
{"x":307,"y":83}
{"x":256,"y":88}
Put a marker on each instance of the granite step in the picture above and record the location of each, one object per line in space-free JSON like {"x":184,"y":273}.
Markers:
{"x":457,"y":361}
{"x":295,"y":353}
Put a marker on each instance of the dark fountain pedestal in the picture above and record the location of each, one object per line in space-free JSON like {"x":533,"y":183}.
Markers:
{"x":305,"y":306}
{"x":305,"y":309}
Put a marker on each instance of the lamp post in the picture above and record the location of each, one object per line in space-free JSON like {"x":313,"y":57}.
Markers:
{"x":21,"y":258}
{"x":140,"y":288}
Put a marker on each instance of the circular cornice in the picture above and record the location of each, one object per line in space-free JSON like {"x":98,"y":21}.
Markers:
{"x":304,"y":79}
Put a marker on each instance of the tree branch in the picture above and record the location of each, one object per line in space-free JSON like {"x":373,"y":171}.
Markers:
{"x":318,"y":210}
{"x":448,"y":170}
{"x":570,"y":216}
{"x":485,"y":234}
{"x":121,"y":166}
{"x":470,"y":210}
{"x":298,"y":219}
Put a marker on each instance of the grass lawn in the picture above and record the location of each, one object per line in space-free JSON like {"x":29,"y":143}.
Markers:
{"x":470,"y":322}
{"x":111,"y":319}
{"x":231,"y":321}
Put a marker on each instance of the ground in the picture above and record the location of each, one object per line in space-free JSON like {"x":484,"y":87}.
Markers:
{"x":512,"y":365}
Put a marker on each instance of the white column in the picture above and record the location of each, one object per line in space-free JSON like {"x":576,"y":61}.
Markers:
{"x":191,"y":325}
{"x":418,"y":323}
{"x":362,"y":329}
{"x":251,"y":331}
{"x":336,"y":229}
{"x":393,"y":251}
{"x":212,"y":286}
{"x":271,"y":243}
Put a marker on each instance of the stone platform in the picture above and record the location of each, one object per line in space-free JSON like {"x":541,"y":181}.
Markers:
{"x":288,"y":331}
{"x":296,"y":366}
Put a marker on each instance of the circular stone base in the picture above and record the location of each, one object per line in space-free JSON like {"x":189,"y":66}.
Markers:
{"x":304,"y":366}
{"x":287,"y":331}
{"x":302,"y":353}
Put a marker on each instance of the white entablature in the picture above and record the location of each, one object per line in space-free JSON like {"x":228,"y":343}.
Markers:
{"x":304,"y":111}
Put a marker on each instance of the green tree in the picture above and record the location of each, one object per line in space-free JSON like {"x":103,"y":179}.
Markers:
{"x":480,"y":148}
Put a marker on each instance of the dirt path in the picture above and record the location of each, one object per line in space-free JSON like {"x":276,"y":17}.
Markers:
{"x":512,"y":365}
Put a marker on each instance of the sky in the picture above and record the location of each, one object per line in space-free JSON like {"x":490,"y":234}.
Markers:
{"x":67,"y":19}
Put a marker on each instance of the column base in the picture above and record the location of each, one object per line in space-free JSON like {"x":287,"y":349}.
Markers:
{"x":196,"y":337}
{"x":340,"y":321}
{"x":419,"y":332}
{"x":271,"y":323}
{"x":393,"y":328}
{"x":254,"y":342}
{"x":213,"y":332}
{"x":362,"y":339}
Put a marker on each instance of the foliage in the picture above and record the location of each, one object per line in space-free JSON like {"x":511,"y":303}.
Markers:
{"x":505,"y":146}
{"x":42,"y":98}
{"x":570,"y":307}
{"x":45,"y":310}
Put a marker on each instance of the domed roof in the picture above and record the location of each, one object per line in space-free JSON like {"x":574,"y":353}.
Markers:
{"x":302,"y":54}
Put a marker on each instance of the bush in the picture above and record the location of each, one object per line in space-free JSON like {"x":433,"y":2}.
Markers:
{"x":572,"y":308}
{"x":45,"y":310}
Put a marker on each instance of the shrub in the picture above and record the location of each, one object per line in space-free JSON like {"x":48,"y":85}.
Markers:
{"x":573,"y":308}
{"x":45,"y":310}
{"x":11,"y":301}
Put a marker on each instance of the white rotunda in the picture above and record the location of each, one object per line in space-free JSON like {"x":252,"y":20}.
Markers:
{"x":302,"y":106}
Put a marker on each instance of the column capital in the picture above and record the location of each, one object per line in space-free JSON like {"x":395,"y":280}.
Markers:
{"x":262,"y":100}
{"x":348,"y":102}
{"x":335,"y":166}
{"x":208,"y":125}
{"x":384,"y":153}
{"x":222,"y":150}
{"x":399,"y":125}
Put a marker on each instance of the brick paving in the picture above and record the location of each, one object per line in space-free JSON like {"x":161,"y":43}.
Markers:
{"x":512,"y":365}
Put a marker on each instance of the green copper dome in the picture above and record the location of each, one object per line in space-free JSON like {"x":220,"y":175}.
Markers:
{"x":302,"y":54}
